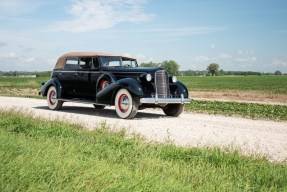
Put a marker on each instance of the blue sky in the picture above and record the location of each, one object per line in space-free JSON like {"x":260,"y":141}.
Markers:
{"x":241,"y":35}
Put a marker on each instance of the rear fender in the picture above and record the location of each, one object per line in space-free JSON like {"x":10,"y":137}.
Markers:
{"x":52,"y":82}
{"x":107,"y":95}
{"x":110,"y":77}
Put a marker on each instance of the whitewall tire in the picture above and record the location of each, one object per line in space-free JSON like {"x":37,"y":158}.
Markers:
{"x":126,"y":106}
{"x":52,"y":100}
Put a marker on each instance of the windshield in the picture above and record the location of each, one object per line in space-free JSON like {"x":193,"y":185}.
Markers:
{"x":109,"y":61}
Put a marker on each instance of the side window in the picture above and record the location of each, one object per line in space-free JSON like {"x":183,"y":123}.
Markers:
{"x":129,"y":63}
{"x":85,"y":63}
{"x":71,"y":64}
{"x":114,"y":64}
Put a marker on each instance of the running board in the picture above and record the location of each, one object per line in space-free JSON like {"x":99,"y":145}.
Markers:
{"x":82,"y":101}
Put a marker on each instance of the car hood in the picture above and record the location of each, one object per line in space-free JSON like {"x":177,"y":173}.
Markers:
{"x":135,"y":70}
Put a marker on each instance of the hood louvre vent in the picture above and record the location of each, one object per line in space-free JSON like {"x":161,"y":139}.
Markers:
{"x":162,"y":84}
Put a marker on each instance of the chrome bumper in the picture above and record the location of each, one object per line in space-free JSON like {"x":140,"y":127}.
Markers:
{"x":157,"y":100}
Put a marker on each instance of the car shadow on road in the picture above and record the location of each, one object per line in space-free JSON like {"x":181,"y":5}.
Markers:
{"x":108,"y":113}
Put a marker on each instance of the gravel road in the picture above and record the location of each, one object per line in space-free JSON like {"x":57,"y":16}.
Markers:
{"x":251,"y":137}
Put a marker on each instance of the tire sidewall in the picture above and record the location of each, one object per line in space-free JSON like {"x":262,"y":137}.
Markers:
{"x":129,"y":111}
{"x":52,"y":105}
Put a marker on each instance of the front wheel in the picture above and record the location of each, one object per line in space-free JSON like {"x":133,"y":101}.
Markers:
{"x":126,"y":105}
{"x":173,"y":109}
{"x":52,"y":100}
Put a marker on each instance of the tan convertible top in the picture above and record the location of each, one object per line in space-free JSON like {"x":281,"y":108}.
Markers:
{"x":62,"y":60}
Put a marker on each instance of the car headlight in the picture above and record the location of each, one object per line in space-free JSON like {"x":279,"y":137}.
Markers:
{"x":174,"y":79}
{"x":148,"y":77}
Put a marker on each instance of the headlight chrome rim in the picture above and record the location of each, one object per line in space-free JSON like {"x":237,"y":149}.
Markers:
{"x":148,"y":77}
{"x":174,"y":79}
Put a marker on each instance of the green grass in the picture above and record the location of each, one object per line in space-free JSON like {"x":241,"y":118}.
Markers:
{"x":21,"y":86}
{"x":249,"y":110}
{"x":29,"y":87}
{"x":38,"y":155}
{"x":266,"y":84}
{"x":22,"y":82}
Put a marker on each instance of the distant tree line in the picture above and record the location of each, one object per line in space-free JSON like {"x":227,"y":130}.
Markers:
{"x":220,"y":73}
{"x":25,"y":73}
{"x":171,"y":66}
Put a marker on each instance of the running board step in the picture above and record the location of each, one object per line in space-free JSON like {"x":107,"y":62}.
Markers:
{"x":82,"y":101}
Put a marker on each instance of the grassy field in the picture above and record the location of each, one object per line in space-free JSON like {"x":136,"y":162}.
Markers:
{"x":22,"y":82}
{"x":29,"y":87}
{"x":21,"y":86}
{"x":247,"y":110}
{"x":266,"y":84}
{"x":38,"y":155}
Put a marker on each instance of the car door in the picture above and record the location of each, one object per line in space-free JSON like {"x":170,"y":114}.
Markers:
{"x":67,"y":77}
{"x":82,"y":77}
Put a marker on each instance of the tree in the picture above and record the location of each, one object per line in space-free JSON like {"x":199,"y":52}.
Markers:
{"x":150,"y":64}
{"x":212,"y":68}
{"x":278,"y":72}
{"x":171,"y":67}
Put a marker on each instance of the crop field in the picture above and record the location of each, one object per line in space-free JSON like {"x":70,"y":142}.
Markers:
{"x":266,"y":84}
{"x":40,"y":155}
{"x":29,"y":87}
{"x":22,"y":82}
{"x":246,"y":110}
{"x":21,"y":86}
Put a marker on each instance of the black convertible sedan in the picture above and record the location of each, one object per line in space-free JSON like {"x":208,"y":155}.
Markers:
{"x":105,"y":79}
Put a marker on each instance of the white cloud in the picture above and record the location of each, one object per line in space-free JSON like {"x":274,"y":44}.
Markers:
{"x":247,"y":59}
{"x":212,"y":46}
{"x":277,"y":62}
{"x":143,"y":59}
{"x":202,"y":58}
{"x":224,"y":56}
{"x":220,"y":57}
{"x":246,"y":52}
{"x":25,"y":62}
{"x":91,"y":15}
{"x":18,"y":7}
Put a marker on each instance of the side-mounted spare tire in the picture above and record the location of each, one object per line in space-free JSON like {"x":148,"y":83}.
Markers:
{"x":53,"y":102}
{"x":126,"y":106}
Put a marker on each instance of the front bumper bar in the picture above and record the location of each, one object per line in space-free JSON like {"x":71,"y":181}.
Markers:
{"x":157,"y":100}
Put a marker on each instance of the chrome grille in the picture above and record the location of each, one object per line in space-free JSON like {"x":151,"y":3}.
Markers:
{"x":161,"y":84}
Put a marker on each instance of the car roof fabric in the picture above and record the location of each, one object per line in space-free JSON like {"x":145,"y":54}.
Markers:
{"x":62,"y":60}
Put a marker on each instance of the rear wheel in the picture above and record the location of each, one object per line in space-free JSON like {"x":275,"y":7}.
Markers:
{"x":52,"y":100}
{"x":103,"y":84}
{"x":99,"y":106}
{"x":173,"y":109}
{"x":126,"y":105}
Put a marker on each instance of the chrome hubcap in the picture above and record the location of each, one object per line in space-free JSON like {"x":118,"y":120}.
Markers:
{"x":53,"y":97}
{"x":124,"y":103}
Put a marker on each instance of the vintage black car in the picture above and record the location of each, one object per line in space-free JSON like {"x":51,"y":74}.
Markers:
{"x":106,"y":79}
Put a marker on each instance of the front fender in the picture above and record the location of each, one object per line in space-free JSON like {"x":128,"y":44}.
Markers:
{"x":181,"y":88}
{"x":52,"y":82}
{"x":108,"y":94}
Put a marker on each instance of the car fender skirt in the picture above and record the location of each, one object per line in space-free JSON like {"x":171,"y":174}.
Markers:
{"x":55,"y":82}
{"x":107,"y":95}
